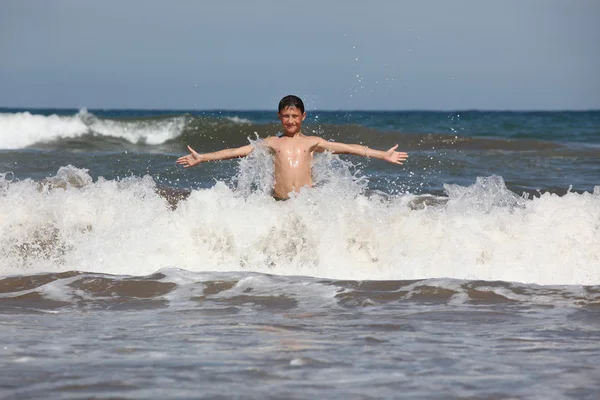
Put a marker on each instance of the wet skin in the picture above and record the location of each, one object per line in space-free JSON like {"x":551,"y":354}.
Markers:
{"x":293,"y":153}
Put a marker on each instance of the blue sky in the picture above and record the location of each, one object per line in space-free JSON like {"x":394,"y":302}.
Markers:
{"x":378,"y":54}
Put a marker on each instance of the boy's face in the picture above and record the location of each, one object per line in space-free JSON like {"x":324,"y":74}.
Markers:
{"x":291,"y":120}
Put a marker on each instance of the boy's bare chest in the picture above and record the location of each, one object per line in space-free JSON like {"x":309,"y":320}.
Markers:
{"x":293,"y":148}
{"x":293,"y":155}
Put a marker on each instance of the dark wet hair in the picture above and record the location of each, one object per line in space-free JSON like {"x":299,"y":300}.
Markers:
{"x":291,"y":101}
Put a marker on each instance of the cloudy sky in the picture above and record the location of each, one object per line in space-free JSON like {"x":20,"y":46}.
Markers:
{"x":241,"y":54}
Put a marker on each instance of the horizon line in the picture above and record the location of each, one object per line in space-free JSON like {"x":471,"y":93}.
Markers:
{"x":307,"y":110}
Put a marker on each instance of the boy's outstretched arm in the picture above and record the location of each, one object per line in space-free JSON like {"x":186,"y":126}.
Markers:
{"x":195,"y":158}
{"x":391,"y":155}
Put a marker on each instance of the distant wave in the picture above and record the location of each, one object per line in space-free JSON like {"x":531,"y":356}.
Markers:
{"x":23,"y":129}
{"x":86,"y":131}
{"x":239,"y":120}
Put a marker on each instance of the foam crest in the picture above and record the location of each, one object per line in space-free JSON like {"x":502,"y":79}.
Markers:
{"x":149,"y":131}
{"x":487,"y":194}
{"x":24,"y":129}
{"x":239,"y":120}
{"x":20,"y":130}
{"x":335,"y":230}
{"x":307,"y":293}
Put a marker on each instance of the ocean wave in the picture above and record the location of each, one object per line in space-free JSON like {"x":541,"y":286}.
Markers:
{"x":336,"y":230}
{"x":238,"y":120}
{"x":230,"y":292}
{"x":23,"y":129}
{"x":172,"y":132}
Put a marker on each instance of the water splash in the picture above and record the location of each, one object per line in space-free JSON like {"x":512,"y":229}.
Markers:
{"x":336,"y":230}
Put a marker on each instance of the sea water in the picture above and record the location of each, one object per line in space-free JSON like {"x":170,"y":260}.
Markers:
{"x":472,"y":271}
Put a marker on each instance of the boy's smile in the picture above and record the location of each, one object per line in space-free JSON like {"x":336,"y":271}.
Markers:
{"x":291,"y":119}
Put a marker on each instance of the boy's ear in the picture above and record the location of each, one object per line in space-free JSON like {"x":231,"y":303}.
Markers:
{"x":303,"y":115}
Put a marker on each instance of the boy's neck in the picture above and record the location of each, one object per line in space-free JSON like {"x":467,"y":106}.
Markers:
{"x":299,"y":133}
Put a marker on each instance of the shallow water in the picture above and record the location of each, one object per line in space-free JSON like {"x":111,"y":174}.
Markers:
{"x":179,"y":334}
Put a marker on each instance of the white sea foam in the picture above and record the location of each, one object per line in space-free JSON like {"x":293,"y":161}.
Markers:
{"x":24,"y":129}
{"x":482,"y":232}
{"x":19,"y":130}
{"x":239,"y":120}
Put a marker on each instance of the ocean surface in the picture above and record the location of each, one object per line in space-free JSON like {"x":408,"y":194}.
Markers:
{"x":470,"y":272}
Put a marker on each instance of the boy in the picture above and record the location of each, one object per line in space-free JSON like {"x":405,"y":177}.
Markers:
{"x":293,"y":152}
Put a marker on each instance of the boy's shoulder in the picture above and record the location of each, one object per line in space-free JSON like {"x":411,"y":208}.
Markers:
{"x":312,"y":138}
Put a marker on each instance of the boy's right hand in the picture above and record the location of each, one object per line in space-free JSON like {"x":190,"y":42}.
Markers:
{"x":191,"y":159}
{"x":395,"y":157}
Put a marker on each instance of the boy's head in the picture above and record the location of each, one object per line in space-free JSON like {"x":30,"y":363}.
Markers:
{"x":291,"y":114}
{"x":292,"y":102}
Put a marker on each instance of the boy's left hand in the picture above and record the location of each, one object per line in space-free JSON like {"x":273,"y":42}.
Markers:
{"x":395,"y":157}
